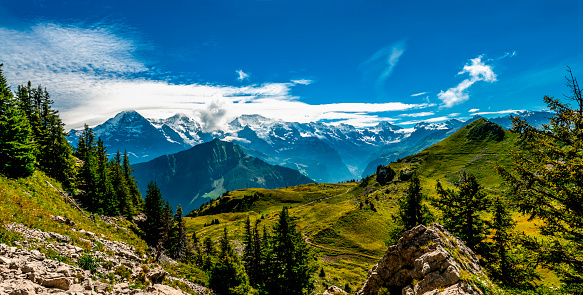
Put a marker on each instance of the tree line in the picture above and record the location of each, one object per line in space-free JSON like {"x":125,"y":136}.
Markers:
{"x":273,"y":262}
{"x":32,"y":137}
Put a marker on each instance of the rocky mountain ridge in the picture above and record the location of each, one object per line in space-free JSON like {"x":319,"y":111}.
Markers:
{"x":323,"y":152}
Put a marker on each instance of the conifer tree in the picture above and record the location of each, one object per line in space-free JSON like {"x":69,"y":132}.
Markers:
{"x":228,"y":274}
{"x":462,"y":210}
{"x":86,"y":152}
{"x":290,"y":266}
{"x":134,"y":192}
{"x":153,"y":210}
{"x":166,"y":240}
{"x":508,"y":262}
{"x":17,"y":150}
{"x":546,"y":181}
{"x":180,"y":241}
{"x":120,"y":189}
{"x":54,"y":152}
{"x":197,"y":250}
{"x":412,"y":211}
{"x":252,"y":255}
{"x":108,"y":203}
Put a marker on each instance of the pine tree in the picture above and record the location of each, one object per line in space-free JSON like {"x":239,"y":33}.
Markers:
{"x":411,"y":210}
{"x":135,"y":195}
{"x":252,"y":255}
{"x":166,"y":241}
{"x":290,"y":266}
{"x":86,"y":152}
{"x":180,"y":242}
{"x":17,"y":149}
{"x":508,"y":263}
{"x":546,"y":181}
{"x":228,"y":274}
{"x":197,"y":250}
{"x":153,"y":210}
{"x":54,"y":152}
{"x":108,"y":203}
{"x":121,"y":191}
{"x":461,"y":210}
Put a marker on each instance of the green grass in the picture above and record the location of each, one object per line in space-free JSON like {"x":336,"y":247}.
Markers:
{"x":31,"y":201}
{"x":331,"y":217}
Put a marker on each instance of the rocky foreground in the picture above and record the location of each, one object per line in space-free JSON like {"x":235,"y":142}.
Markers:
{"x":109,"y":268}
{"x":430,"y":261}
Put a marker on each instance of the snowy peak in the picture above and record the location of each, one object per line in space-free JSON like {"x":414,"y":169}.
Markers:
{"x":450,"y":124}
{"x":387,"y":126}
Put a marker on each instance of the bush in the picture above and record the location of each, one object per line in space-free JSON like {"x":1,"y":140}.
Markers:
{"x":123,"y":272}
{"x":88,"y":262}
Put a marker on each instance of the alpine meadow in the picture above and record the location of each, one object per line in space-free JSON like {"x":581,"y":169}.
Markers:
{"x":284,"y":147}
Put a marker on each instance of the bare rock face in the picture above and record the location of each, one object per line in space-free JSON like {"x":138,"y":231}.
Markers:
{"x":334,"y":290}
{"x":24,"y":270}
{"x":426,"y":260}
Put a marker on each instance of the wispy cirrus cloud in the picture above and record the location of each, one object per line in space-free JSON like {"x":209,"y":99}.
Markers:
{"x":302,"y":82}
{"x":473,"y":110}
{"x":93,"y":73}
{"x":381,"y":64}
{"x":430,"y":120}
{"x":419,"y":94}
{"x":422,"y":114}
{"x":478,"y":71}
{"x":498,"y":112}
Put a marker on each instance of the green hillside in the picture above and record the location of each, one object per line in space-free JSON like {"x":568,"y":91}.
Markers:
{"x":348,"y":224}
{"x":476,"y":148}
{"x":34,"y":199}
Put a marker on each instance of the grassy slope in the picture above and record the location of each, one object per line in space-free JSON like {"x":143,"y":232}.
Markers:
{"x":31,"y":201}
{"x":348,"y":240}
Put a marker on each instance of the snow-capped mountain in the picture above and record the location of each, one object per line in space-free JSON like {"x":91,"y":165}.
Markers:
{"x":323,"y":152}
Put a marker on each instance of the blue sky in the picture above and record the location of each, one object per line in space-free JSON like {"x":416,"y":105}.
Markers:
{"x":356,"y":62}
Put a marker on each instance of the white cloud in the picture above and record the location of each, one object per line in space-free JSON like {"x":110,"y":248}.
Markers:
{"x":432,"y":120}
{"x":418,"y":94}
{"x":473,"y":110}
{"x":478,"y":71}
{"x":383,"y":62}
{"x":499,"y":112}
{"x":422,"y":114}
{"x":92,"y":74}
{"x":302,"y":81}
{"x":242,"y":75}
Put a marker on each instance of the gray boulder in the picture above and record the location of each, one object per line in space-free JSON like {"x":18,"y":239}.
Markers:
{"x":426,"y":260}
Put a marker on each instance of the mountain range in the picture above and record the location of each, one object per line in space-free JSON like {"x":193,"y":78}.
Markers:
{"x":322,"y":152}
{"x":206,"y":171}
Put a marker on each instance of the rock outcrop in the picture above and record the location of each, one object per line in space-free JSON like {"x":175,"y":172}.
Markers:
{"x":385,"y":174}
{"x":427,"y":260}
{"x":24,"y":270}
{"x":334,"y":290}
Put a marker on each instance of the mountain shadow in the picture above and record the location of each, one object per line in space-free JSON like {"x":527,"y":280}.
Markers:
{"x":206,"y":171}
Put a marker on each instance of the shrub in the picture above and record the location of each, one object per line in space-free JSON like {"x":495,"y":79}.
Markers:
{"x":88,"y":262}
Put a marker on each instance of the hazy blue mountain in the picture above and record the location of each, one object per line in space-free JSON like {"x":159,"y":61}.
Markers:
{"x":203,"y":172}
